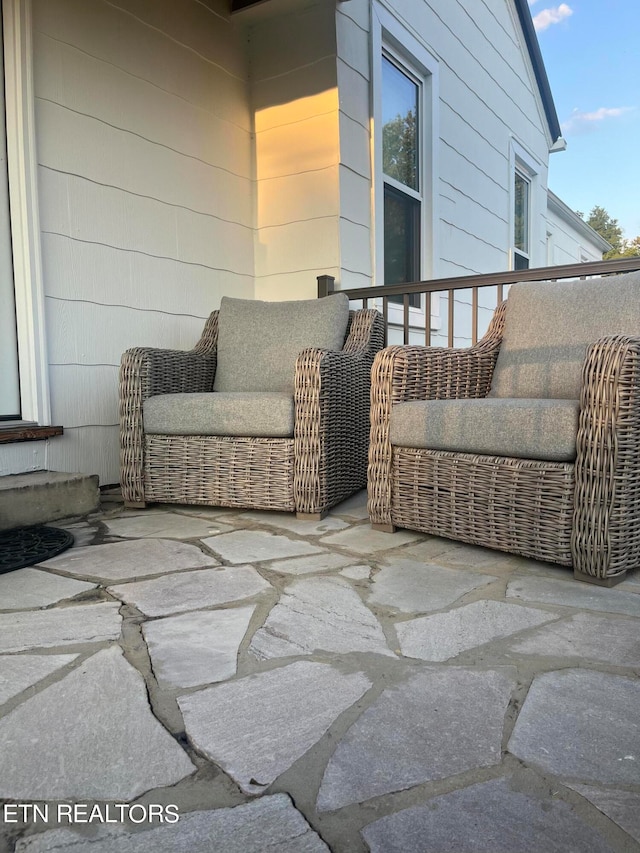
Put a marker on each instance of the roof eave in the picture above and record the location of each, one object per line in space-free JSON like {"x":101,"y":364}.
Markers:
{"x":540,"y":72}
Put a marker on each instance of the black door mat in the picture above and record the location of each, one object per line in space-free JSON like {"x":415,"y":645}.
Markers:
{"x":24,"y":546}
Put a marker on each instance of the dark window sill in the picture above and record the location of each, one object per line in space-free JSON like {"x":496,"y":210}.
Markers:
{"x":28,"y":433}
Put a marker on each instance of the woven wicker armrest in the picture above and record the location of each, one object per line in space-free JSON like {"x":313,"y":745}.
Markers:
{"x":606,"y":533}
{"x":332,"y":416}
{"x":144,"y":372}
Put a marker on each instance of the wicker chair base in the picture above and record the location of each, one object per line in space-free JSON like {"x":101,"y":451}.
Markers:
{"x":515,"y":505}
{"x":612,"y":580}
{"x":219,"y":471}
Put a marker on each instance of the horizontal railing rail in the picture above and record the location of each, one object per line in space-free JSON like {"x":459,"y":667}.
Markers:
{"x":409,"y":323}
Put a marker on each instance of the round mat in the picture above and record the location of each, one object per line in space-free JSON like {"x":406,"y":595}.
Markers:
{"x":24,"y":546}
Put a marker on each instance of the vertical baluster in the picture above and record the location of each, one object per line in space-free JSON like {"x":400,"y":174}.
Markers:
{"x":427,"y":319}
{"x":405,"y":321}
{"x":450,"y":321}
{"x":474,"y":315}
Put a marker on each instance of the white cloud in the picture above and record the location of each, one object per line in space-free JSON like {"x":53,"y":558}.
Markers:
{"x":581,"y":122}
{"x":547,"y":17}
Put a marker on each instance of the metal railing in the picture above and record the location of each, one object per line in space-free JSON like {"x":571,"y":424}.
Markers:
{"x":402,"y":318}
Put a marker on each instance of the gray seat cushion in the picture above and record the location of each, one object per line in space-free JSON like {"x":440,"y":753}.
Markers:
{"x":262,"y":415}
{"x":528,"y":429}
{"x":258,"y":342}
{"x":548,"y":327}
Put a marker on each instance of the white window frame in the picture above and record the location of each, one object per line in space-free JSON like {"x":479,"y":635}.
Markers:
{"x":526,"y":165}
{"x":25,"y":220}
{"x":390,"y":37}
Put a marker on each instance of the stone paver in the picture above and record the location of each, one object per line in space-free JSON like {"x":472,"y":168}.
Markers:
{"x":254,"y":546}
{"x":270,"y":823}
{"x":200,"y":647}
{"x":319,"y":614}
{"x":581,"y":724}
{"x":360,"y":572}
{"x":572,"y":593}
{"x":30,"y":588}
{"x":100,"y":742}
{"x":490,"y":817}
{"x":413,"y":587}
{"x":288,"y":521}
{"x":191,"y":590}
{"x":169,"y":525}
{"x":445,"y":635}
{"x":589,"y":636}
{"x":623,"y":807}
{"x":17,"y":672}
{"x":258,"y":726}
{"x":130,"y":560}
{"x":364,"y":540}
{"x":382,"y":725}
{"x":459,"y":555}
{"x":419,"y":731}
{"x":314,"y":563}
{"x":83,"y":623}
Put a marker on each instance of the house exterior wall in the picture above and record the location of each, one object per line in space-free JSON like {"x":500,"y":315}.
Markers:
{"x":487,"y":115}
{"x":144,"y":138}
{"x":184,"y":154}
{"x":569,"y":239}
{"x":295,"y":105}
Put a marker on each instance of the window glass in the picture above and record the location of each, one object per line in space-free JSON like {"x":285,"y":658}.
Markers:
{"x":521,"y":211}
{"x":401,"y":238}
{"x":399,"y":125}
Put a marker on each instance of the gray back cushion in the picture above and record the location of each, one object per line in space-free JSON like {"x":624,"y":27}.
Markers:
{"x":548,"y":327}
{"x":258,"y":342}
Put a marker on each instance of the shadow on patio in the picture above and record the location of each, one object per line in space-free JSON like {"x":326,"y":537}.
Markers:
{"x":302,"y":686}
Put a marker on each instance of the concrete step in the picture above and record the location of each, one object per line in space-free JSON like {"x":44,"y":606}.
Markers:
{"x":42,"y":496}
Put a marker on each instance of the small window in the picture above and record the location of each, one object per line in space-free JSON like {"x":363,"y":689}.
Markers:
{"x":401,"y":174}
{"x":521,"y":221}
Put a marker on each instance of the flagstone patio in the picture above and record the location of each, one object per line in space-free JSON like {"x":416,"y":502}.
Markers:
{"x":296,"y":686}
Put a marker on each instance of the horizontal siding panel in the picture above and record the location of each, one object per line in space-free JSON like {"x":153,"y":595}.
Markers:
{"x":23,"y":457}
{"x":86,"y":333}
{"x":298,"y":40}
{"x":87,"y":450}
{"x":93,"y":272}
{"x":472,"y":254}
{"x":99,"y":89}
{"x":355,"y":149}
{"x":294,"y":96}
{"x":112,"y":217}
{"x":103,"y":31}
{"x":358,"y":11}
{"x":119,"y":27}
{"x":472,"y":143}
{"x":296,"y":285}
{"x":355,"y":197}
{"x":355,"y":243}
{"x":80,"y":145}
{"x":353,"y":43}
{"x":214,"y":243}
{"x":303,"y":146}
{"x":456,"y":171}
{"x":292,"y":198}
{"x":93,"y":212}
{"x":299,"y":246}
{"x":348,"y":279}
{"x":84,"y":395}
{"x":470,"y":214}
{"x":354,"y":94}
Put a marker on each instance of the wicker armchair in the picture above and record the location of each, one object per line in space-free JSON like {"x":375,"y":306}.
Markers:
{"x":576,"y":506}
{"x":319,"y":462}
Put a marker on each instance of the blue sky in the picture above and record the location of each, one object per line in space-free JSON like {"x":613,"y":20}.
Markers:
{"x":591,"y":51}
